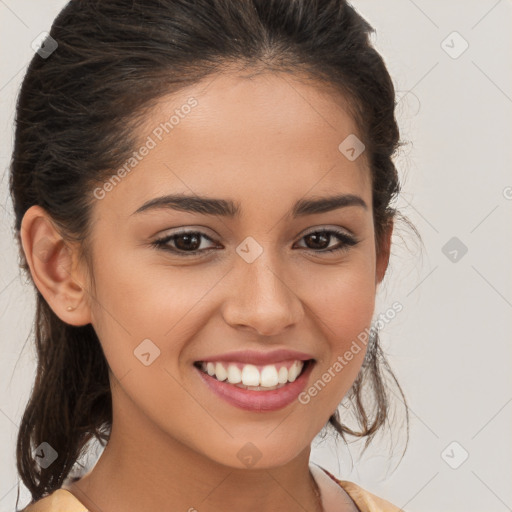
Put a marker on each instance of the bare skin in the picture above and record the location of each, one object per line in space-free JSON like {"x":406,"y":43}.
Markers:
{"x":264,"y":143}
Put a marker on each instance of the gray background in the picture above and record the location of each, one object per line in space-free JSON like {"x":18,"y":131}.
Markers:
{"x":450,"y":346}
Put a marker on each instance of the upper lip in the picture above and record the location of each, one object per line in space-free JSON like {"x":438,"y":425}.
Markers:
{"x":259,"y":358}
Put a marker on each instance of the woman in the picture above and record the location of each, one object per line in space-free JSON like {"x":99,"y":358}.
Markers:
{"x":202,"y":195}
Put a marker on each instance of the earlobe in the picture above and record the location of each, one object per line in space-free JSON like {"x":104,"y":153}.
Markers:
{"x":51,"y":262}
{"x":384,"y":254}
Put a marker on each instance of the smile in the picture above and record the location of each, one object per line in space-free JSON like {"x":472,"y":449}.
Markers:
{"x":253,"y":387}
{"x":249,"y":376}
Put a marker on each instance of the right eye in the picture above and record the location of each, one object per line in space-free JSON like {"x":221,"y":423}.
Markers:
{"x":185,"y":243}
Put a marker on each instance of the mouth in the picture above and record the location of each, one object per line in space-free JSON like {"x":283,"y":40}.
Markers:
{"x":256,"y":388}
{"x":255,"y":377}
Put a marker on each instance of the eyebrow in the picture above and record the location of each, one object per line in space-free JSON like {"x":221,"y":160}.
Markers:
{"x":231,"y":209}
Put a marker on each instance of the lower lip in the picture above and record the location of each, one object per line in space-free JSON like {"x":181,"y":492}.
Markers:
{"x":258,"y":401}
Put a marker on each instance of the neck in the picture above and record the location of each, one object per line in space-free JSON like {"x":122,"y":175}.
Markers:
{"x":161,"y":473}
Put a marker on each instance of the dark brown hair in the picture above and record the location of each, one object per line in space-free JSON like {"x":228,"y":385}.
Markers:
{"x":75,"y":122}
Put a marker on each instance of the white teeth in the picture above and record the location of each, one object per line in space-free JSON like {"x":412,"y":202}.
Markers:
{"x":259,"y":388}
{"x":269,"y":378}
{"x":294,"y":371}
{"x":250,"y":375}
{"x":234,"y":374}
{"x":283,"y":375}
{"x":220,"y":372}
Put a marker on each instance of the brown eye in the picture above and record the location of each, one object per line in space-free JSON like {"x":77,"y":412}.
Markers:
{"x":184,"y":243}
{"x":187,"y":241}
{"x":319,"y":241}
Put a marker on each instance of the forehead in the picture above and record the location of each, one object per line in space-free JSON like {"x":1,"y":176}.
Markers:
{"x":269,"y":135}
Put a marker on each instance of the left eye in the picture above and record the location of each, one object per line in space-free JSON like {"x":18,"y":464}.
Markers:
{"x":189,"y":242}
{"x":345,"y":241}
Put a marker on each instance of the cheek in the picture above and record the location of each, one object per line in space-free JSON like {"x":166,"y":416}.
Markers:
{"x":343,"y":300}
{"x":136,"y":302}
{"x":342,"y":304}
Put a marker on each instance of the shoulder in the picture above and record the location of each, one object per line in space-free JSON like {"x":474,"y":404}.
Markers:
{"x":60,"y":500}
{"x":365,"y":501}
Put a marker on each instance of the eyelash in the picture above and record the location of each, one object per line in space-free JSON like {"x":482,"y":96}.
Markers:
{"x":346,"y":240}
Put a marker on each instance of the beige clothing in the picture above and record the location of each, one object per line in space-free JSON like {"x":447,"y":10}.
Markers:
{"x":62,"y":500}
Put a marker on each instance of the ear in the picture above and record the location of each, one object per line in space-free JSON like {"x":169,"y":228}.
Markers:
{"x":54,"y":269}
{"x":384,"y":253}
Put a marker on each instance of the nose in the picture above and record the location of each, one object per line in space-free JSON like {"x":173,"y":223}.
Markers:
{"x":262,"y":298}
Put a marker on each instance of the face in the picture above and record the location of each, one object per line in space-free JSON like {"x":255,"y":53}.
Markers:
{"x":248,"y":276}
